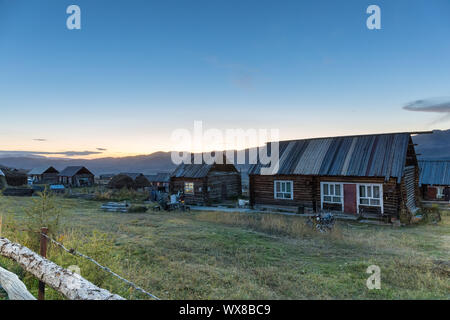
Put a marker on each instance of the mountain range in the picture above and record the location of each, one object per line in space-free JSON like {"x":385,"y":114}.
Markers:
{"x":429,"y":146}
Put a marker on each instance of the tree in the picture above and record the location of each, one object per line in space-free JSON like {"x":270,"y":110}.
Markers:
{"x":43,"y":213}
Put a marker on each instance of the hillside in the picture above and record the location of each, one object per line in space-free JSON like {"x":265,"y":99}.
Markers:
{"x":435,"y":145}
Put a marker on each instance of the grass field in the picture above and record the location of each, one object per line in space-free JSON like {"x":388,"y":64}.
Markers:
{"x":211,"y":255}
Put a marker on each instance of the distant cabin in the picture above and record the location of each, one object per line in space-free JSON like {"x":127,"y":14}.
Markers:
{"x":206,"y":183}
{"x":369,"y":175}
{"x":14,"y":177}
{"x":434,"y":179}
{"x":139,"y":180}
{"x":160,"y":181}
{"x":76,"y":176}
{"x":2,"y":180}
{"x":44,"y":175}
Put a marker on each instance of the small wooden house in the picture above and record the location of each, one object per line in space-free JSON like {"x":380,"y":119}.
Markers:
{"x":203,"y":184}
{"x":76,"y":176}
{"x":2,"y":180}
{"x":368,"y":175}
{"x":121,"y":181}
{"x":139,"y":180}
{"x":44,"y":175}
{"x":160,"y":181}
{"x":434,"y":179}
{"x":14,"y":177}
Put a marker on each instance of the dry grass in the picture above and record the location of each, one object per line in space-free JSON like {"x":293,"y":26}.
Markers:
{"x":214,"y":255}
{"x":279,"y":225}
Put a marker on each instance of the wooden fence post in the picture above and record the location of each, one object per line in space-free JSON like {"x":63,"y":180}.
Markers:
{"x":43,"y":253}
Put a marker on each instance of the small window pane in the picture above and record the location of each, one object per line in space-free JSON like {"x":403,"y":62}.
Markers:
{"x":374,"y":202}
{"x":376,"y":192}
{"x":325,"y":189}
{"x":337,"y":199}
{"x":277,"y":187}
{"x":362,"y":191}
{"x":364,"y":201}
{"x":337,"y":190}
{"x":327,"y":198}
{"x":369,"y":191}
{"x":288,"y":187}
{"x":331,"y":189}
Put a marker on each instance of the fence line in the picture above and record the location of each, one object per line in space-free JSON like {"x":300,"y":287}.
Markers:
{"x":76,"y":253}
{"x":70,"y":284}
{"x":79,"y":254}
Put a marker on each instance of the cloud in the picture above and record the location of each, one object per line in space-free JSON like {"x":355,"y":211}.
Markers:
{"x":40,"y":140}
{"x":101,"y":149}
{"x":440,"y":105}
{"x":435,"y":105}
{"x":15,"y":153}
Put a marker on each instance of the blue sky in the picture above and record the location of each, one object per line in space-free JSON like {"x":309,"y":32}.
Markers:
{"x":137,"y":70}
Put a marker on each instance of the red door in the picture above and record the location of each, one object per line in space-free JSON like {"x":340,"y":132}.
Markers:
{"x":350,"y":198}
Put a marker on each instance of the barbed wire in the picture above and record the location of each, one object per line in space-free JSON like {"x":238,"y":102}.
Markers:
{"x":76,"y":253}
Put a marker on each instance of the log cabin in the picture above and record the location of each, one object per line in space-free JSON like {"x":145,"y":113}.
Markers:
{"x":140,"y":181}
{"x":44,"y":175}
{"x":160,"y":181}
{"x":2,"y":180}
{"x":204,"y":184}
{"x":434,"y":180}
{"x":366,"y":175}
{"x":76,"y":176}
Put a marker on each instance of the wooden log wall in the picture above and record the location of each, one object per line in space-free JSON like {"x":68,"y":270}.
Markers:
{"x":307,"y":191}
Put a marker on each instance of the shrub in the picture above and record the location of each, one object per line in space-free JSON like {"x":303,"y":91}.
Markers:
{"x":431,"y":214}
{"x":137,"y":209}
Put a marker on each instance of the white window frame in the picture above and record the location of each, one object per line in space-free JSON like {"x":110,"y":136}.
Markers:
{"x":275,"y":189}
{"x":440,"y":192}
{"x":193,"y":187}
{"x":322,"y":200}
{"x":380,"y":185}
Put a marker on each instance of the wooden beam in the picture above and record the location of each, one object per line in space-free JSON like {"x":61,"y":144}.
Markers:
{"x":70,"y":284}
{"x":15,"y":288}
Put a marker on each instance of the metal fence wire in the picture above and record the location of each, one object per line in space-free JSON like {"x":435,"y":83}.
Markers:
{"x":79,"y":254}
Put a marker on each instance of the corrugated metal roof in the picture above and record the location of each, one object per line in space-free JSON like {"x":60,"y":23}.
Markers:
{"x":40,"y":170}
{"x":191,"y":170}
{"x":71,"y":171}
{"x":132,"y":175}
{"x":1,"y":173}
{"x":159,"y":177}
{"x":378,"y":155}
{"x":435,"y":172}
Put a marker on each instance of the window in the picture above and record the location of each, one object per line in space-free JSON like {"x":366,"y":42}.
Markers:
{"x":440,"y":193}
{"x":370,"y":195}
{"x":332,"y":192}
{"x":283,"y":190}
{"x":189,"y":187}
